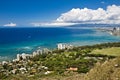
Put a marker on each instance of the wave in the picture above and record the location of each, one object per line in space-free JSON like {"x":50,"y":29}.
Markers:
{"x":27,"y":47}
{"x":4,"y":58}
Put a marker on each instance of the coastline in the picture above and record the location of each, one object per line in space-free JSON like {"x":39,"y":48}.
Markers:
{"x":30,"y":39}
{"x":8,"y":58}
{"x":40,"y":62}
{"x":40,"y":50}
{"x":113,"y":31}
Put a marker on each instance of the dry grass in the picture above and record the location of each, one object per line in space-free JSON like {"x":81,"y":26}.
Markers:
{"x":109,"y":70}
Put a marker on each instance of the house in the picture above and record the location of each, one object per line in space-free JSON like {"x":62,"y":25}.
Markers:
{"x":18,"y":57}
{"x":47,"y":72}
{"x":72,"y":69}
{"x":4,"y":62}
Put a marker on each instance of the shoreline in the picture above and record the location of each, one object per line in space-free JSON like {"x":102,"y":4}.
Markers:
{"x":77,"y":37}
{"x":8,"y":59}
{"x":113,"y":31}
{"x":36,"y":52}
{"x":65,"y":58}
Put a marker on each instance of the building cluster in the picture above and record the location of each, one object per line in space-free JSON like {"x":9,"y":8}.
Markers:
{"x":115,"y":31}
{"x":24,"y":65}
{"x":61,"y":46}
{"x":25,"y":56}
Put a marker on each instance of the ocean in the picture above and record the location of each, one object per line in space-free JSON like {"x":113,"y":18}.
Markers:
{"x":26,"y":40}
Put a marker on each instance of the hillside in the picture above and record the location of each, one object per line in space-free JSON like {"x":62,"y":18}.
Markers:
{"x":108,"y":70}
{"x":77,"y":63}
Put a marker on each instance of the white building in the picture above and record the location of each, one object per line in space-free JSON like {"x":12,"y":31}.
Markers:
{"x":18,"y":57}
{"x":39,"y":51}
{"x":4,"y":62}
{"x":22,"y":56}
{"x":64,"y":46}
{"x":118,"y":28}
{"x":116,"y":31}
{"x":61,"y":46}
{"x":25,"y":56}
{"x":35,"y":54}
{"x":46,"y":51}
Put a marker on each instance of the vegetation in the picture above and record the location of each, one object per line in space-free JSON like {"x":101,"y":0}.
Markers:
{"x":109,"y":70}
{"x":115,"y":51}
{"x":60,"y":62}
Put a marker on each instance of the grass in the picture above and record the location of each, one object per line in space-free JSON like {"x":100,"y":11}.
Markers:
{"x":114,"y":51}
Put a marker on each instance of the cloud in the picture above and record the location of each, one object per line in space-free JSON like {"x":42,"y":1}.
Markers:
{"x":10,"y":24}
{"x":54,"y":24}
{"x":109,"y":16}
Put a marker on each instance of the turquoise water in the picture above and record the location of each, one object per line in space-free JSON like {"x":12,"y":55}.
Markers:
{"x":19,"y":40}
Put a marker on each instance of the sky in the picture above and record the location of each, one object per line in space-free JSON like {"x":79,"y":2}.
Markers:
{"x":58,"y":12}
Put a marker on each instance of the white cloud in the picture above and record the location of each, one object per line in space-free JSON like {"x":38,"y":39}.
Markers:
{"x":109,"y":16}
{"x":53,"y":24}
{"x":10,"y":24}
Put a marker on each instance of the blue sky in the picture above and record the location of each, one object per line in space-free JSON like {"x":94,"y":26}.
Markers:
{"x":24,"y":12}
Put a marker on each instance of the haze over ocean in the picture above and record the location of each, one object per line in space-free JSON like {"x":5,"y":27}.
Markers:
{"x":26,"y":40}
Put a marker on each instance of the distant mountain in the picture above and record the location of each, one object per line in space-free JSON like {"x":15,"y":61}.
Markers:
{"x":96,"y":25}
